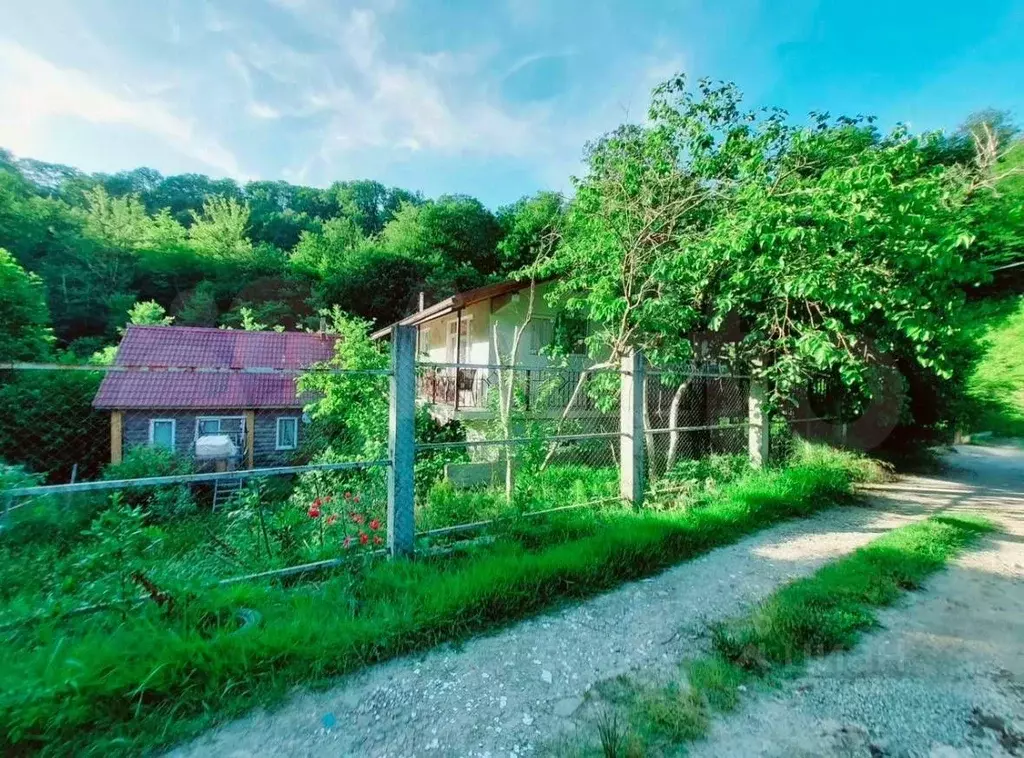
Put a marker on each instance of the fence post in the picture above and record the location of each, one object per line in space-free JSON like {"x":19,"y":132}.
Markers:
{"x":632,"y":466}
{"x":402,"y":441}
{"x":758,"y":433}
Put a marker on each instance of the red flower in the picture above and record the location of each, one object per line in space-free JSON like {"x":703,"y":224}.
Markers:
{"x":348,"y":495}
{"x":346,"y":543}
{"x":363,"y":538}
{"x":377,"y":540}
{"x":314,"y":511}
{"x":317,"y":503}
{"x":355,"y":499}
{"x":328,"y":499}
{"x":375,"y":524}
{"x":332,"y":519}
{"x":358,"y":518}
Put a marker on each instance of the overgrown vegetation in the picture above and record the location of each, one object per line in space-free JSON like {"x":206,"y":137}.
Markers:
{"x":128,"y":679}
{"x":821,"y":614}
{"x":995,"y":388}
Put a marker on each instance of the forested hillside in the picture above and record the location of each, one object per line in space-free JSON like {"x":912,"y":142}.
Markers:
{"x":819,"y":252}
{"x":212,"y":252}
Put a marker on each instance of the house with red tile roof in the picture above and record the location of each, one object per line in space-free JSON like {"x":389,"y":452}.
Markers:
{"x":223,"y":396}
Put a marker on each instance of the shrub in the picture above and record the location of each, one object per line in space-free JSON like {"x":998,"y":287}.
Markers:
{"x":164,"y":502}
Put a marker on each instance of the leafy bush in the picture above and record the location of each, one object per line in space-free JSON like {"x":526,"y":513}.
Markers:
{"x":48,"y":424}
{"x":710,"y":472}
{"x":566,"y":484}
{"x":448,"y":506}
{"x":144,"y":461}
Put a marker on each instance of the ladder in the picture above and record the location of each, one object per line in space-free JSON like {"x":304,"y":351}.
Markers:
{"x":225,"y":490}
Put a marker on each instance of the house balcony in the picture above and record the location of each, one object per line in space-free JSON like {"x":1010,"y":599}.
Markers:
{"x":472,"y":392}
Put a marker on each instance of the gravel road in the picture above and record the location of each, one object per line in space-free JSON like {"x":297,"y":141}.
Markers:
{"x":945,"y":676}
{"x":509,"y":693}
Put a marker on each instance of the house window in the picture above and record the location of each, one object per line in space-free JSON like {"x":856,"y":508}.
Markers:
{"x":205,"y":426}
{"x":543,"y":332}
{"x":570,"y":335}
{"x":161,"y":432}
{"x":458,"y":339}
{"x":287,"y":433}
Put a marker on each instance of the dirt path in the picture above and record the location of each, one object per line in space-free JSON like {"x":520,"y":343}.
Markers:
{"x":508,"y":693}
{"x":945,"y":677}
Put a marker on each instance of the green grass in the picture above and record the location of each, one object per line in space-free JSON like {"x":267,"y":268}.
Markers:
{"x":995,"y":388}
{"x":113,"y":685}
{"x":823,"y":613}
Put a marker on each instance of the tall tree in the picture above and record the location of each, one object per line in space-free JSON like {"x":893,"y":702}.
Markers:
{"x":526,"y":226}
{"x":25,"y":333}
{"x":220,"y":231}
{"x":455,"y":238}
{"x":810,"y":250}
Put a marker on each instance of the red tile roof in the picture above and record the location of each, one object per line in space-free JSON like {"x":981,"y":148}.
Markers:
{"x":207,"y":368}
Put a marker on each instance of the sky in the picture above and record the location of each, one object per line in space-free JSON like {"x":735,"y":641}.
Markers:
{"x":491,"y":98}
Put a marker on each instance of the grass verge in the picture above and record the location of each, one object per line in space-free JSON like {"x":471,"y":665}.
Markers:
{"x":150,"y":681}
{"x":995,"y":387}
{"x":823,"y":613}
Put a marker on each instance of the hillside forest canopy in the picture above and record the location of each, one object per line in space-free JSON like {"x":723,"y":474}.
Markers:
{"x":813,"y":249}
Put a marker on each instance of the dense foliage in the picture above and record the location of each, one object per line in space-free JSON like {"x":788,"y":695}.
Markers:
{"x":206,"y":249}
{"x":799,"y":253}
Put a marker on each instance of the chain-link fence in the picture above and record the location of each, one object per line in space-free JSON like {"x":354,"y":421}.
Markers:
{"x":119,"y":483}
{"x":497,"y":442}
{"x":692,"y":414}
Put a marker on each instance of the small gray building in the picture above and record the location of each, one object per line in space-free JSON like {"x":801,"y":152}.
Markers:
{"x":221,"y":396}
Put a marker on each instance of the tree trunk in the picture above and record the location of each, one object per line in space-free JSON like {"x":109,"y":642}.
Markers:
{"x":673,"y":423}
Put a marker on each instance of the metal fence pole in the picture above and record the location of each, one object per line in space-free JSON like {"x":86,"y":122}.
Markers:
{"x":401,"y":442}
{"x":758,"y":434}
{"x":632,"y":466}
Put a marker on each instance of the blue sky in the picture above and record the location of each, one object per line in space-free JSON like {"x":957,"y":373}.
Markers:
{"x":493,"y":98}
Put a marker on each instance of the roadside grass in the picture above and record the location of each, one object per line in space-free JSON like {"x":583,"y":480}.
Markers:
{"x":995,"y":387}
{"x":146,"y":680}
{"x":812,"y":617}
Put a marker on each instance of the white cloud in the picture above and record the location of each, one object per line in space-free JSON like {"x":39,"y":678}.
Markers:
{"x":256,"y":109}
{"x":36,"y":92}
{"x":434,"y":102}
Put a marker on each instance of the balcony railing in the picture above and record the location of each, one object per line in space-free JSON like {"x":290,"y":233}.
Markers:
{"x":540,"y":389}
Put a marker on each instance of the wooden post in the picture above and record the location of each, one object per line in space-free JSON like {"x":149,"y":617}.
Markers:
{"x":632,"y":466}
{"x":402,"y":442}
{"x":757,"y":435}
{"x":116,"y":436}
{"x":250,"y":437}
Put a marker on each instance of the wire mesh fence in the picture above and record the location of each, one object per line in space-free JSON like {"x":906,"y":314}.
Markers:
{"x":128,"y":484}
{"x":692,"y":414}
{"x":120,"y":483}
{"x":500,"y":441}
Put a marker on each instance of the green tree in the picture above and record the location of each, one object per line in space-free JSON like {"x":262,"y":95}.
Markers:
{"x":149,"y":313}
{"x":328,"y":249}
{"x":808,"y":251}
{"x":25,"y":333}
{"x":528,"y":225}
{"x":199,"y":307}
{"x":220,"y":230}
{"x":455,"y":238}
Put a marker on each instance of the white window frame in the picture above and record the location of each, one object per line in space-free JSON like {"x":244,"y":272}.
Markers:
{"x":174,"y":431}
{"x":201,"y":419}
{"x":451,"y":339}
{"x":220,"y":423}
{"x":277,"y":433}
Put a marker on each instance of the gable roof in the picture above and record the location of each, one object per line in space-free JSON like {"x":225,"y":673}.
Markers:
{"x":183,"y":367}
{"x":457,"y":301}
